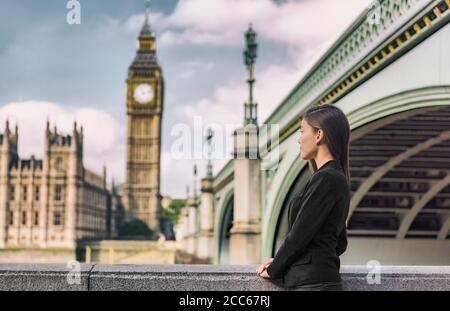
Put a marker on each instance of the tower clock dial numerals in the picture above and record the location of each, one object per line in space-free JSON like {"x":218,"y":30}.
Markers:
{"x":143,"y":93}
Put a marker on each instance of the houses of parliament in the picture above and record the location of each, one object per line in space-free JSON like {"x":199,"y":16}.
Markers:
{"x":56,"y":201}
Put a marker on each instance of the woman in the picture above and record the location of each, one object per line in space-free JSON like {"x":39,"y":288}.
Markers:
{"x":308,"y":259}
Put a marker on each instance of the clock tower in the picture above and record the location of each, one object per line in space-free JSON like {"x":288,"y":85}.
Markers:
{"x":144,"y":105}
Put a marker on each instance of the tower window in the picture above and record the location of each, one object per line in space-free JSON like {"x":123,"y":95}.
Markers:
{"x":24,"y":193}
{"x":11,"y":218}
{"x":36,"y":218}
{"x":59,"y":164}
{"x":12,"y":193}
{"x":57,"y":218}
{"x":58,"y":193}
{"x":36,"y":193}
{"x":24,"y":218}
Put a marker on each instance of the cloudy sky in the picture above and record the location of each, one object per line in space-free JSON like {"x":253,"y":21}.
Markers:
{"x":53,"y":70}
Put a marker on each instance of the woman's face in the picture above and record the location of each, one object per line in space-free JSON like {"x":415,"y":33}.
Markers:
{"x":307,"y":141}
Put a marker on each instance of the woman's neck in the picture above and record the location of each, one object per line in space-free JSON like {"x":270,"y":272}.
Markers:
{"x":321,"y":159}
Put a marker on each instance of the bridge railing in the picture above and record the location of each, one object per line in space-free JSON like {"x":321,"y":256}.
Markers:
{"x":92,"y":277}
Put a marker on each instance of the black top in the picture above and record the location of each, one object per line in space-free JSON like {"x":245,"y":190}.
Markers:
{"x":317,"y":233}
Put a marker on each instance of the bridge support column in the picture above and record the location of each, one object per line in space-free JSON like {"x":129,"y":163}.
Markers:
{"x":192,"y":226}
{"x":245,"y":241}
{"x":3,"y":197}
{"x":183,"y":229}
{"x":6,"y":152}
{"x":205,"y":248}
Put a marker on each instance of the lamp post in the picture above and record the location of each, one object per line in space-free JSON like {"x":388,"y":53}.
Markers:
{"x":209,"y":137}
{"x":250,"y":54}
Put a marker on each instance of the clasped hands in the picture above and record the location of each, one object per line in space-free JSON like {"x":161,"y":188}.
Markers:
{"x":262,"y":270}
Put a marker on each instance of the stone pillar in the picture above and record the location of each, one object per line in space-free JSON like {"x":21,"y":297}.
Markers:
{"x":155,"y":178}
{"x":154,"y":213}
{"x":71,"y":206}
{"x":245,"y":241}
{"x":179,"y":234}
{"x":192,"y":226}
{"x":4,"y":185}
{"x":44,"y":217}
{"x":182,"y":233}
{"x":73,"y":185}
{"x":205,"y":248}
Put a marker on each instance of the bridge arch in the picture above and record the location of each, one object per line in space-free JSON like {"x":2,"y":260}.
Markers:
{"x":223,"y":222}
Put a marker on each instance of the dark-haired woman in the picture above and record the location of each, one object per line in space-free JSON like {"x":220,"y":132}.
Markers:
{"x":308,"y":259}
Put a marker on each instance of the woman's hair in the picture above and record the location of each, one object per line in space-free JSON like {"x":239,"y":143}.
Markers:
{"x":336,"y":129}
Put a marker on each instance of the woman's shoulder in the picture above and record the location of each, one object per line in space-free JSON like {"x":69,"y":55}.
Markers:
{"x":330,"y":177}
{"x":329,"y":173}
{"x":323,"y":176}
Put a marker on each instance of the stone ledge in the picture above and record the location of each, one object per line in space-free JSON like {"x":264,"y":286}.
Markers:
{"x":204,"y":277}
{"x":46,"y":277}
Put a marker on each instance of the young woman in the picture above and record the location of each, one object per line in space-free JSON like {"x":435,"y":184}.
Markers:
{"x":308,"y":259}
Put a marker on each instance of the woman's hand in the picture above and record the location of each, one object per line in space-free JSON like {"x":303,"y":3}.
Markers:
{"x":264,"y":274}
{"x":264,"y":266}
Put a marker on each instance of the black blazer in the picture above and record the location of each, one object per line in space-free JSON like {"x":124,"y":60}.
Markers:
{"x":317,"y":232}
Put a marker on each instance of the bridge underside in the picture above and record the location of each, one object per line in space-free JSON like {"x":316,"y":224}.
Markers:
{"x":399,"y":169}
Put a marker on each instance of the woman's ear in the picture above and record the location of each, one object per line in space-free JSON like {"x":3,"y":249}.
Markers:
{"x":319,"y":137}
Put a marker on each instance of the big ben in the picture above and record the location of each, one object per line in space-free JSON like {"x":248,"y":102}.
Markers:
{"x":144,"y":106}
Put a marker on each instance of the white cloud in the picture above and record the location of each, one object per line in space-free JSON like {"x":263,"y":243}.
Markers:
{"x":190,"y":36}
{"x":176,"y":174}
{"x":190,"y":69}
{"x":293,"y":22}
{"x":223,"y":22}
{"x":103,"y":136}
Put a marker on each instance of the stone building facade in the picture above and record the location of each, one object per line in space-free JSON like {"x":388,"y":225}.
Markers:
{"x":54,"y":201}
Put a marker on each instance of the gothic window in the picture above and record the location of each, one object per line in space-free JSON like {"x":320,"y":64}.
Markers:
{"x":58,"y":192}
{"x":143,"y":126}
{"x":36,"y":193}
{"x":36,"y":218}
{"x":12,"y":193}
{"x":135,"y":127}
{"x":59,"y":164}
{"x":24,"y":193}
{"x":144,"y":204}
{"x":146,"y":132}
{"x":24,"y":218}
{"x":57,"y":218}
{"x":11,"y":218}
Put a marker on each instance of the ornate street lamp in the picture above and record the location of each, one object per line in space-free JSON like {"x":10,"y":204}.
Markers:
{"x":250,"y":54}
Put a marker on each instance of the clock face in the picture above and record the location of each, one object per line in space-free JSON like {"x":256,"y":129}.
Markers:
{"x":143,"y":93}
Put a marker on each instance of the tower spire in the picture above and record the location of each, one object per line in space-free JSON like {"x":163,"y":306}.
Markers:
{"x":147,"y":11}
{"x":147,"y":37}
{"x":7,"y":126}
